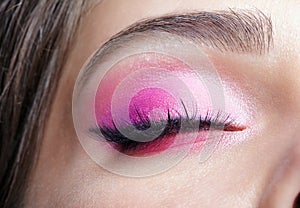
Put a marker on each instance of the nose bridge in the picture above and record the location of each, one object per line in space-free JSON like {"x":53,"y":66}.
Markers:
{"x":283,"y":184}
{"x":284,"y":188}
{"x":293,"y":117}
{"x":292,"y":135}
{"x":293,"y":71}
{"x":292,"y":179}
{"x":293,"y":127}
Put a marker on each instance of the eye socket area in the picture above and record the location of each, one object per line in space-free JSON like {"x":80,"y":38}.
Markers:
{"x":149,"y":87}
{"x":151,"y":96}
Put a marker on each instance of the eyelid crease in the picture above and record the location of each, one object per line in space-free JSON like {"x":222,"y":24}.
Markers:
{"x":237,"y":31}
{"x":241,"y":31}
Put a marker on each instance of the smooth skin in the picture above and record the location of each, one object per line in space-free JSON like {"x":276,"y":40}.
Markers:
{"x":263,"y":171}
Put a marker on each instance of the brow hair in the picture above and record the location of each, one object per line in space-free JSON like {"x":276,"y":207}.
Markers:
{"x":237,"y":31}
{"x":244,"y":31}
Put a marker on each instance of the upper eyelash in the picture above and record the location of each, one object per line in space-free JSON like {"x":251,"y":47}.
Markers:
{"x":219,"y":121}
{"x":115,"y":136}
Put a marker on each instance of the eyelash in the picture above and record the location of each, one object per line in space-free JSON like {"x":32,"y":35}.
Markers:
{"x":219,"y":121}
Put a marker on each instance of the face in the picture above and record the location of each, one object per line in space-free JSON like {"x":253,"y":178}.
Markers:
{"x":190,"y":104}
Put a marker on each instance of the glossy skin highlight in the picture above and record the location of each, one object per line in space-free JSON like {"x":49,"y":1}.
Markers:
{"x":262,"y":171}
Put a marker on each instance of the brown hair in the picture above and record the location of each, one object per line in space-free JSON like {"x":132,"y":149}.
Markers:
{"x":34,"y":38}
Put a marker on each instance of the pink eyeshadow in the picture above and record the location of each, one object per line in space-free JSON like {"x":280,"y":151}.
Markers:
{"x":140,"y":100}
{"x":152,"y":103}
{"x":146,"y":99}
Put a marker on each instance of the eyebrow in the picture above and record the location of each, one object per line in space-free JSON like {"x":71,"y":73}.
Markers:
{"x":237,"y":31}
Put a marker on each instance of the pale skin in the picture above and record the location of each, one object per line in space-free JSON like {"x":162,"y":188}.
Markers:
{"x":260,"y":172}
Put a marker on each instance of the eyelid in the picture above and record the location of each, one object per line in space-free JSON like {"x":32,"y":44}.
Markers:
{"x":209,"y":122}
{"x":133,"y":56}
{"x":109,"y":54}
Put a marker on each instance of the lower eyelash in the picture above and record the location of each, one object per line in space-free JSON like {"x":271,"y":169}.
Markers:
{"x":217,"y":121}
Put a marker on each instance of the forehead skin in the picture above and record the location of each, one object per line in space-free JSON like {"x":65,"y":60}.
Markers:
{"x":66,"y":177}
